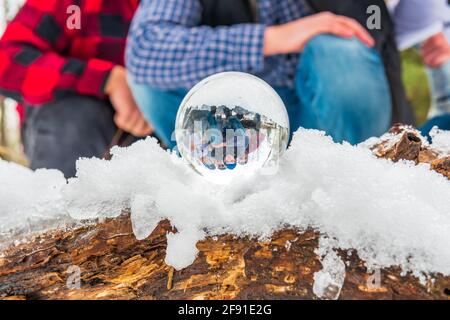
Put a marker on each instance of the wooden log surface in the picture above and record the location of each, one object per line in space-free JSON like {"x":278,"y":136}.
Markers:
{"x":112,"y":264}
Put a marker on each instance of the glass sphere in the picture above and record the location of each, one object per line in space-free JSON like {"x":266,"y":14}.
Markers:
{"x":230,"y":125}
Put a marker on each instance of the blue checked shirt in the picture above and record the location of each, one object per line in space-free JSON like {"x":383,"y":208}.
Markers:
{"x":168,"y":49}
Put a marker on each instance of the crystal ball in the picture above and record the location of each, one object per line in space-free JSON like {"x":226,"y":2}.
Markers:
{"x":232,"y":125}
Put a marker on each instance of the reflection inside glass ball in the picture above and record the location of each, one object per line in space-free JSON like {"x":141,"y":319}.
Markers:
{"x":223,"y":141}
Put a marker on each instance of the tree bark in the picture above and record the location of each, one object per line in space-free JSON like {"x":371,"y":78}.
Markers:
{"x":114,"y":265}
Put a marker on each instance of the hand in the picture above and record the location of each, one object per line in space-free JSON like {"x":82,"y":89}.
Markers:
{"x":436,"y":50}
{"x":128,"y":117}
{"x":292,"y":37}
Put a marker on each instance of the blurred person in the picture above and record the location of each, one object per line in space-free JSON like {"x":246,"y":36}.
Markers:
{"x":323,"y":65}
{"x":70,"y":81}
{"x":427,"y":24}
{"x":436,"y":54}
{"x":382,"y":29}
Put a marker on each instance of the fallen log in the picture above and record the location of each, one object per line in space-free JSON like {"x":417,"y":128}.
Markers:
{"x":105,"y":261}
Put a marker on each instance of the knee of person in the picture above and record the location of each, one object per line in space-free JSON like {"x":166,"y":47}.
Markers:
{"x":326,"y":45}
{"x":58,"y":133}
{"x":146,"y":97}
{"x":73,"y":118}
{"x":85,"y":113}
{"x":333,"y":57}
{"x":344,"y":72}
{"x":340,"y":63}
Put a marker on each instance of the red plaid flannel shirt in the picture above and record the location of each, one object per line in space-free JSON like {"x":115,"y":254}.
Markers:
{"x":41,"y":59}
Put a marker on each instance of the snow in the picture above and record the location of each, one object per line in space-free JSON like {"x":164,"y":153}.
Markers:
{"x":181,"y":249}
{"x":144,"y":216}
{"x":328,"y":282}
{"x":105,"y":188}
{"x":441,"y":140}
{"x":392,"y":214}
{"x":29,"y":199}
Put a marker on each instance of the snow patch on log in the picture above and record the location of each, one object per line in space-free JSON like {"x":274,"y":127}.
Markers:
{"x":441,"y":141}
{"x":30,"y":201}
{"x":328,"y":282}
{"x":393,"y":214}
{"x":181,"y":248}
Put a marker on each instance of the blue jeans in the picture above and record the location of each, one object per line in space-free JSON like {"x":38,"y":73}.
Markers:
{"x":340,"y":88}
{"x":58,"y":133}
{"x":442,"y":122}
{"x":440,"y":87}
{"x":440,"y":109}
